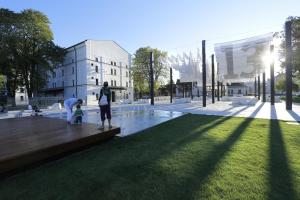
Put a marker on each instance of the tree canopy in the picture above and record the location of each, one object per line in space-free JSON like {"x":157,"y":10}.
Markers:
{"x":141,"y":68}
{"x":27,"y":49}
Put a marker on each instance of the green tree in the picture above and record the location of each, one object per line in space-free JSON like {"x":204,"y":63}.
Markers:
{"x":281,"y":86}
{"x":27,"y":50}
{"x":295,"y":46}
{"x":9,"y":52}
{"x":141,"y":69}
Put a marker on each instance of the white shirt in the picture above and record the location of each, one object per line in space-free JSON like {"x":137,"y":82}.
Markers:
{"x":70,"y":102}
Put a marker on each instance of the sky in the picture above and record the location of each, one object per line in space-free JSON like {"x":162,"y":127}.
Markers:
{"x":170,"y":25}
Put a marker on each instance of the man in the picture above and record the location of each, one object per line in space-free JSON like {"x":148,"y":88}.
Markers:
{"x":104,"y":104}
{"x":69,"y":103}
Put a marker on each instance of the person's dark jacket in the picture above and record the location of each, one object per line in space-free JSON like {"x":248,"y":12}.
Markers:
{"x":105,"y":91}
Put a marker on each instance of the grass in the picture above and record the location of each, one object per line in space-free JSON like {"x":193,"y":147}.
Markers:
{"x":191,"y":157}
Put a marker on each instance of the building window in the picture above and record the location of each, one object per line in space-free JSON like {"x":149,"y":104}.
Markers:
{"x":97,"y":96}
{"x":115,"y":64}
{"x":92,"y":64}
{"x":96,"y":69}
{"x":115,"y":72}
{"x":96,"y":59}
{"x":111,"y":62}
{"x":54,"y":74}
{"x":115,"y":83}
{"x":72,"y":70}
{"x":97,"y":83}
{"x":52,"y":85}
{"x":92,"y":77}
{"x":126,"y":74}
{"x":72,"y":60}
{"x":63,"y":84}
{"x":126,"y":84}
{"x":22,"y":98}
{"x":22,"y":90}
{"x":62,"y":72}
{"x":126,"y":66}
{"x":112,"y":83}
{"x":93,"y":93}
{"x":111,"y":71}
{"x":73,"y":82}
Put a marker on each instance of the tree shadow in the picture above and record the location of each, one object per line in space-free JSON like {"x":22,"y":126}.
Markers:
{"x":280,"y":178}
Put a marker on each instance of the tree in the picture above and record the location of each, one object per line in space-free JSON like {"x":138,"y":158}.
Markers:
{"x":295,"y":46}
{"x":9,"y":53}
{"x":141,"y":69}
{"x":281,"y":83}
{"x":27,"y":50}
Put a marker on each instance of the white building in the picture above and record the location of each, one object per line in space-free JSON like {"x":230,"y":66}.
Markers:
{"x":86,"y":66}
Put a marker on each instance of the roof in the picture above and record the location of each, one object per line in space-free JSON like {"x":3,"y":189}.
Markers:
{"x":101,"y":41}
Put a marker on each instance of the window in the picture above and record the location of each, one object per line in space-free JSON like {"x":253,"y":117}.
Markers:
{"x":93,"y":93}
{"x":96,"y":69}
{"x":73,"y":82}
{"x":126,"y":74}
{"x":126,"y":66}
{"x":115,"y":64}
{"x":111,"y":71}
{"x":92,"y":77}
{"x":52,"y":85}
{"x":97,"y":96}
{"x":62,"y":72}
{"x":111,"y":62}
{"x":63,"y":84}
{"x":92,"y":64}
{"x":72,"y":60}
{"x":72,"y":70}
{"x":112,"y":83}
{"x":96,"y":59}
{"x":97,"y":83}
{"x":22,"y":98}
{"x":22,"y":90}
{"x":126,"y":84}
{"x":115,"y":72}
{"x":53,"y":74}
{"x":115,"y":83}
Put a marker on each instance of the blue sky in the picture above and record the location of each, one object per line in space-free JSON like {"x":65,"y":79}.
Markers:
{"x":172,"y":25}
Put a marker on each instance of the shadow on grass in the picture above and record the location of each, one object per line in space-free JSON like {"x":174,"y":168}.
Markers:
{"x":280,"y":179}
{"x":203,"y":168}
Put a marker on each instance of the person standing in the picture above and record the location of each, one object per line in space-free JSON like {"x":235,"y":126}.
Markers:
{"x":104,"y":104}
{"x":69,"y":104}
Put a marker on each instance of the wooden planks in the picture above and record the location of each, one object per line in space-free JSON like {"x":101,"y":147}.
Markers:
{"x":24,"y":141}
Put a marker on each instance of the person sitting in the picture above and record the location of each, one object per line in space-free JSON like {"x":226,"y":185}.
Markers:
{"x":78,"y":115}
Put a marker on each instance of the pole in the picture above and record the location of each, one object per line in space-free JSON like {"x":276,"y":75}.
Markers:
{"x":151,"y":79}
{"x":288,"y":70}
{"x":221,"y":89}
{"x":255,"y":86}
{"x":218,"y":90}
{"x":203,"y":74}
{"x":258,"y":87}
{"x":264,"y":87}
{"x":272,"y":75}
{"x":171,"y":85}
{"x":213,"y":78}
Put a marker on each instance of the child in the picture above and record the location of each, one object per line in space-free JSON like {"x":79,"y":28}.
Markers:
{"x":78,"y":115}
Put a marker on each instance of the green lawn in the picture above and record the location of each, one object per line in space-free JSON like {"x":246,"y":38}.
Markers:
{"x":191,"y":157}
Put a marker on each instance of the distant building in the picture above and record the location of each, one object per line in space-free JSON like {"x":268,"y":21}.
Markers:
{"x":86,"y":66}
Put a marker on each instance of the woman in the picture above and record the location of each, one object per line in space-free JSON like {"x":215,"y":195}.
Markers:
{"x":104,"y":104}
{"x":68,"y":104}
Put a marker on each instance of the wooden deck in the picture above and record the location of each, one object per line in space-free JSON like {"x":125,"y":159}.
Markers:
{"x":28,"y":140}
